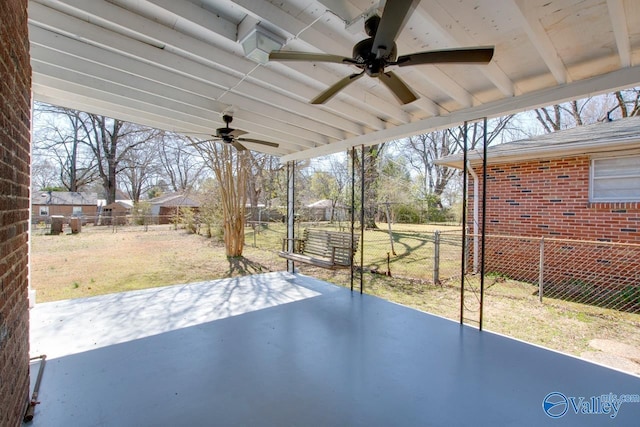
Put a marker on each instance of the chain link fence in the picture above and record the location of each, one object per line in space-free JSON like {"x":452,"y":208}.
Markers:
{"x":602,"y":274}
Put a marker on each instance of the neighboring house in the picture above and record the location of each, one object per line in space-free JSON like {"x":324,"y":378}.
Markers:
{"x":324,"y":210}
{"x":45,"y":204}
{"x":581,"y":184}
{"x":166,"y":207}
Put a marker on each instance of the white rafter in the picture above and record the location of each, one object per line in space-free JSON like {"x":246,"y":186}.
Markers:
{"x":527,"y":18}
{"x":620,"y":30}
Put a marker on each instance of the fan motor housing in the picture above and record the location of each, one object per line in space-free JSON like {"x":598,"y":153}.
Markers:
{"x":366,"y":59}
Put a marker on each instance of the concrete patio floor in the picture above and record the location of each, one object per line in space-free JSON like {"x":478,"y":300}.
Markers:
{"x":288,"y":350}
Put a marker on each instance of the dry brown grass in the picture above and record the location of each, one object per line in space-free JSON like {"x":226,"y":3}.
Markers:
{"x":98,"y":261}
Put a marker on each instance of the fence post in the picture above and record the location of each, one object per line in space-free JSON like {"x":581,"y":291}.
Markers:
{"x":541,"y":270}
{"x":436,"y":257}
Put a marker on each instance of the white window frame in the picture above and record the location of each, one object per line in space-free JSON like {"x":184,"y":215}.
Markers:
{"x":613,"y":199}
{"x":43,"y":211}
{"x":76,"y":211}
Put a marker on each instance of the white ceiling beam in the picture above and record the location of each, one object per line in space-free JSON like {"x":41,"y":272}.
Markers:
{"x":205,"y":53}
{"x":70,"y":98}
{"x":170,"y":62}
{"x":623,"y":78}
{"x":71,"y":93}
{"x":197,"y":16}
{"x":526,"y":17}
{"x":187,"y":120}
{"x":620,"y":30}
{"x":139,"y":79}
{"x":437,"y":17}
{"x":435,"y":79}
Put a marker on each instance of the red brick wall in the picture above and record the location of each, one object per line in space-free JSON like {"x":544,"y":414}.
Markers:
{"x":15,"y":94}
{"x":551,"y":198}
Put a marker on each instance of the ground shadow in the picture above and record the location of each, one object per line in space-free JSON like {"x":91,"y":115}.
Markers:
{"x":243,"y":266}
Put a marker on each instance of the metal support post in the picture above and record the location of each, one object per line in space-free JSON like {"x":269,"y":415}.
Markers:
{"x":436,"y":257}
{"x":291,"y":168}
{"x":463,"y":263}
{"x":541,"y":272}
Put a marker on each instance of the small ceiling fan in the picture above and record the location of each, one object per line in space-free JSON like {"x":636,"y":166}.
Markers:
{"x":374,"y":54}
{"x":232,"y":136}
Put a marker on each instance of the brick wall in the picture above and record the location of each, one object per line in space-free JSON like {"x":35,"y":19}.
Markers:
{"x":15,"y":94}
{"x":551,"y":198}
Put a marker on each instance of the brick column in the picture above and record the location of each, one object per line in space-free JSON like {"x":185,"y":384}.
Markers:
{"x":15,"y":104}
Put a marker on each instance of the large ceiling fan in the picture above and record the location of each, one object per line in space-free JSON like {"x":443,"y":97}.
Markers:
{"x":232,"y":136}
{"x":374,"y":54}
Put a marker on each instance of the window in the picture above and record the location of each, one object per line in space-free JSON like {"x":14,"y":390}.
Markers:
{"x":44,"y":210}
{"x":77,"y":211}
{"x":615,"y":179}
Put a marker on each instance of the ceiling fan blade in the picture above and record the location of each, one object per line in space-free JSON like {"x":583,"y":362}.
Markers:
{"x":401,"y":91}
{"x":236,"y":133}
{"x":474,"y":55}
{"x":238,"y":146}
{"x":257,"y":141}
{"x":332,"y":90}
{"x":395,"y":15}
{"x":281,"y":55}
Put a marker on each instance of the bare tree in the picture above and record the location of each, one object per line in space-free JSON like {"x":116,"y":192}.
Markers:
{"x":139,"y":167}
{"x":423,"y":150}
{"x":181,"y":163}
{"x":44,"y":174}
{"x":627,"y":102}
{"x":372,"y":154}
{"x":60,"y":138}
{"x":263,"y":180}
{"x":111,"y":141}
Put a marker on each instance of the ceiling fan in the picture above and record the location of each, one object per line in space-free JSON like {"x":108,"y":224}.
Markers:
{"x":232,"y":136}
{"x":374,"y":54}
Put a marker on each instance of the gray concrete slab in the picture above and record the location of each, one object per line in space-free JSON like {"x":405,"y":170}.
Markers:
{"x":295,"y":351}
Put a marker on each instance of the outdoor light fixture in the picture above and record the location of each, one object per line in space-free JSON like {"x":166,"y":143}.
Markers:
{"x":257,"y":42}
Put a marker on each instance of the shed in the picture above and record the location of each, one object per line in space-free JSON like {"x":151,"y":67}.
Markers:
{"x":115,"y":213}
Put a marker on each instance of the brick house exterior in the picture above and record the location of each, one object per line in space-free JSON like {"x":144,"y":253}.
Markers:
{"x":65,"y":203}
{"x":546,"y":187}
{"x":15,"y":97}
{"x":165,"y":208}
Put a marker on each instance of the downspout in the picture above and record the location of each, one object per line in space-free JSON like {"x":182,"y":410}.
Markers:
{"x":475,"y":216}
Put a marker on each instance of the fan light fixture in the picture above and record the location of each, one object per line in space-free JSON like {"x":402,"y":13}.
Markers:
{"x":259,"y":42}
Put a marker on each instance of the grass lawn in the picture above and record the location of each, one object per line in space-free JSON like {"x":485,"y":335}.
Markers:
{"x":100,"y":261}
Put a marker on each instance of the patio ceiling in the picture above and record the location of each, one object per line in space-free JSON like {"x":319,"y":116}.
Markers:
{"x":177,"y":65}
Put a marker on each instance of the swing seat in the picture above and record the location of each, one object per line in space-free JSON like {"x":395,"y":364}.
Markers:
{"x":322,"y":248}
